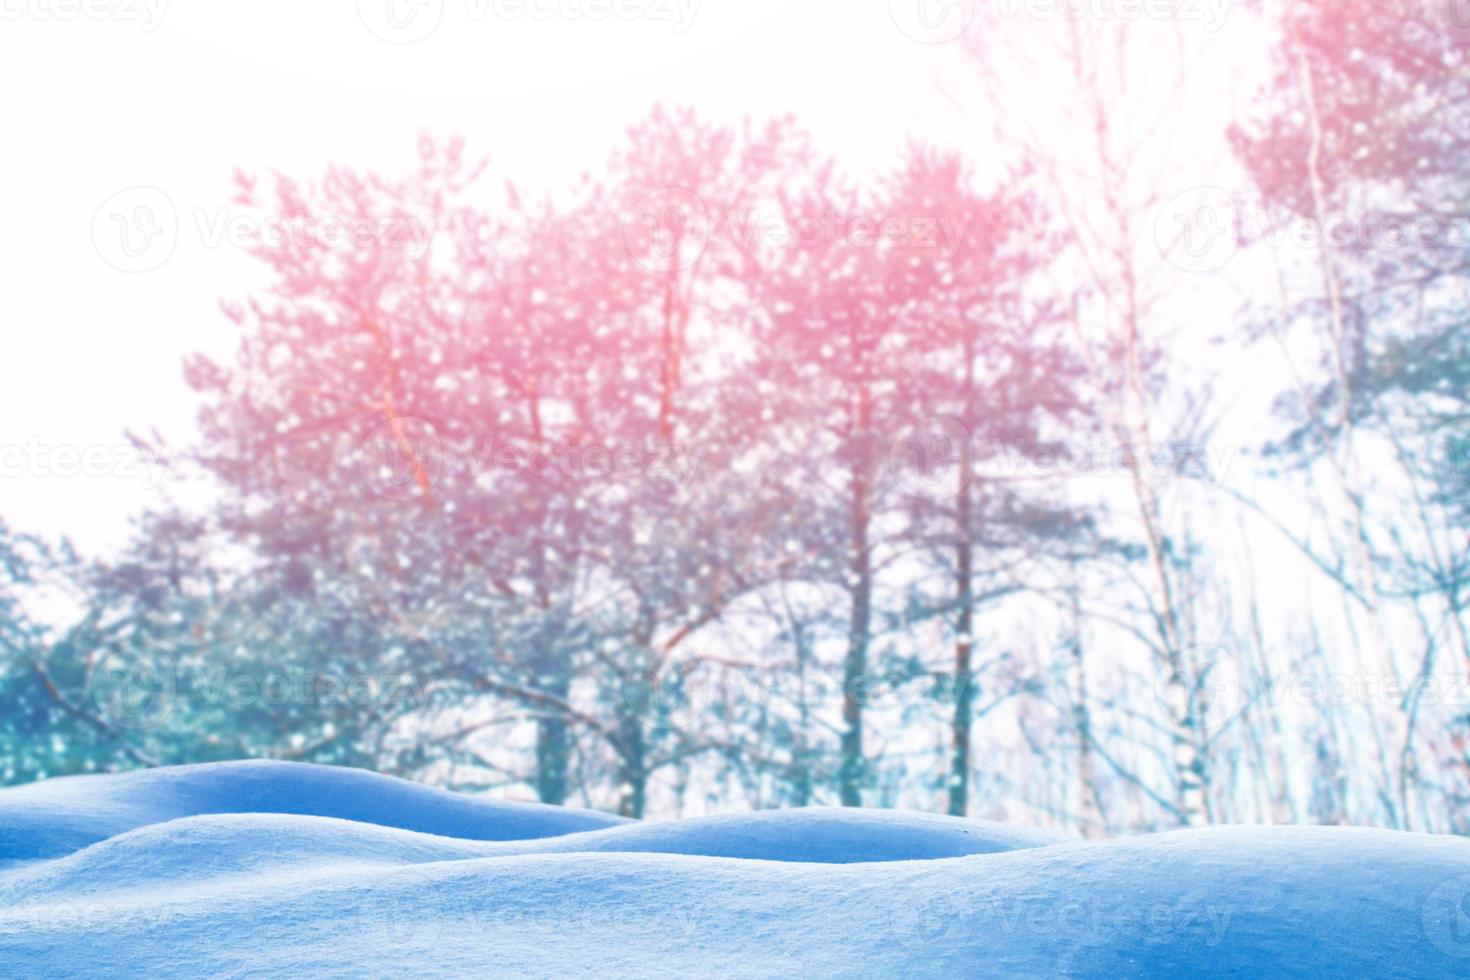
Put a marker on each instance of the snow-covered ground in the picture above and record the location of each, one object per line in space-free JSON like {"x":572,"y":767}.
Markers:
{"x":275,"y":869}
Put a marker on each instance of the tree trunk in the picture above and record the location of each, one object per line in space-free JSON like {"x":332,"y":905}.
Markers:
{"x":801,"y":775}
{"x":553,"y":752}
{"x":1185,"y":740}
{"x":1090,"y":807}
{"x":632,"y":771}
{"x":959,"y":774}
{"x":855,"y":666}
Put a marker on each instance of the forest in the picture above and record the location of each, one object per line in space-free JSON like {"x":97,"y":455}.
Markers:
{"x":1107,"y":470}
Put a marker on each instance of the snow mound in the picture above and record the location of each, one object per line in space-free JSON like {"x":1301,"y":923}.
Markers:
{"x":195,"y":850}
{"x":56,"y":817}
{"x":1230,"y":903}
{"x":815,"y":834}
{"x":225,"y":849}
{"x":813,"y":892}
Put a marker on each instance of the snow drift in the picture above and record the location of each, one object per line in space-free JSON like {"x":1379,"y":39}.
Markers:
{"x":58,"y":816}
{"x":248,"y":869}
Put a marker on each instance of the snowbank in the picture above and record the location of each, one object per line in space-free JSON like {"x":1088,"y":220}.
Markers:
{"x":816,"y":834}
{"x":196,"y":850}
{"x":300,"y":895}
{"x":58,"y":816}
